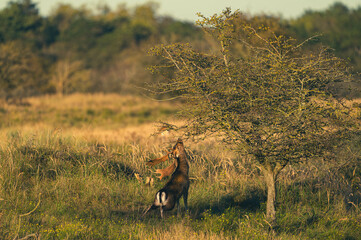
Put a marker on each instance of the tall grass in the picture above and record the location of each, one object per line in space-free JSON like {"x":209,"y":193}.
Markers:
{"x":74,"y":182}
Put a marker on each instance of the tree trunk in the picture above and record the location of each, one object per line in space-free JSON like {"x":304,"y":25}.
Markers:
{"x":271,"y":194}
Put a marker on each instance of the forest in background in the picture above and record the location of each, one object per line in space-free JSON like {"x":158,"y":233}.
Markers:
{"x":105,"y":50}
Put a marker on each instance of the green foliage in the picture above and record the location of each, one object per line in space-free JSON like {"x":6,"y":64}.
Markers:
{"x":99,"y":41}
{"x":183,"y":30}
{"x":339,"y":27}
{"x":111,"y":44}
{"x":18,"y":20}
{"x":20,"y":71}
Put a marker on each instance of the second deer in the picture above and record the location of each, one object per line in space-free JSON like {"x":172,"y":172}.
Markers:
{"x":178,"y":184}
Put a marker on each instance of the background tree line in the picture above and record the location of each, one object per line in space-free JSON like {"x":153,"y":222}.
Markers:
{"x":79,"y":50}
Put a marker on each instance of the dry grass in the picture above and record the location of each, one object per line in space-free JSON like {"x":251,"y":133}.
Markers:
{"x":84,"y":175}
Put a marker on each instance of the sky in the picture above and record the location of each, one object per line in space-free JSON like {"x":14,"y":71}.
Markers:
{"x":187,"y":9}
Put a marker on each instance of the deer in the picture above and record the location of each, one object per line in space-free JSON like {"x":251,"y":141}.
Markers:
{"x":178,"y":184}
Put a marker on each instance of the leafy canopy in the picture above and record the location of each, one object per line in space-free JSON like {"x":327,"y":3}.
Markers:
{"x":262,"y":92}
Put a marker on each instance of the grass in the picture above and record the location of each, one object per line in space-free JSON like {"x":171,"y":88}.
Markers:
{"x":76,"y":181}
{"x":109,"y":111}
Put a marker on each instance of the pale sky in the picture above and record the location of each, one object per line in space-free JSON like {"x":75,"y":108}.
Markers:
{"x":187,"y":9}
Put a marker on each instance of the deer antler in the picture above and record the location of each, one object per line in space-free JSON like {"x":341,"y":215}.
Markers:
{"x":158,"y":160}
{"x":167,"y":171}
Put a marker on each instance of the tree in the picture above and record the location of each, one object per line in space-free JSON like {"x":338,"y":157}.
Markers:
{"x":20,"y":20}
{"x":70,"y":76}
{"x":64,"y":15}
{"x":21,"y":71}
{"x":144,"y":21}
{"x":270,"y":100}
{"x":339,"y":26}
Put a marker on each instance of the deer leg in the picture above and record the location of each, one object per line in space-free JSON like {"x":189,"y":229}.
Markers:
{"x":161,"y":212}
{"x":178,"y":207}
{"x":185,"y":199}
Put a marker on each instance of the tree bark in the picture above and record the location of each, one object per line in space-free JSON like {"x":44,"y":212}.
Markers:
{"x":270,"y":178}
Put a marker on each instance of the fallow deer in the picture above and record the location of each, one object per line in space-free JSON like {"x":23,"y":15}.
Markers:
{"x":178,"y":184}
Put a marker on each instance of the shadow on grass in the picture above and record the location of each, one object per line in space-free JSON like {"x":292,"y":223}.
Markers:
{"x":250,"y":202}
{"x":128,"y":214}
{"x":230,"y":205}
{"x":118,"y":169}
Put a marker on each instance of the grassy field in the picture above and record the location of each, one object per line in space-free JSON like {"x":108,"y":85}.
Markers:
{"x":68,"y":165}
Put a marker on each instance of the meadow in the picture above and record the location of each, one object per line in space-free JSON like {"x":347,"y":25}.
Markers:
{"x":73,"y":167}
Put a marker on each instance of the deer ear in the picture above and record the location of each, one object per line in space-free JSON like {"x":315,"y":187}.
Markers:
{"x":158,"y":160}
{"x":166,"y":171}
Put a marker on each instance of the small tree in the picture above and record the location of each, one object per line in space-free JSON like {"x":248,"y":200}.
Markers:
{"x":70,"y":76}
{"x":268,"y":100}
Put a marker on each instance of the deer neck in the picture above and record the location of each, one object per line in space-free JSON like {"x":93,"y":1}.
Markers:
{"x":182,"y":163}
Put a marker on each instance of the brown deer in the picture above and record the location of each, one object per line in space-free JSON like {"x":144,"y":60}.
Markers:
{"x":178,"y":184}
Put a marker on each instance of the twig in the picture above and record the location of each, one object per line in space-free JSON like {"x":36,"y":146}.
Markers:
{"x":307,"y":40}
{"x":29,"y":236}
{"x":24,"y":215}
{"x":172,"y":59}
